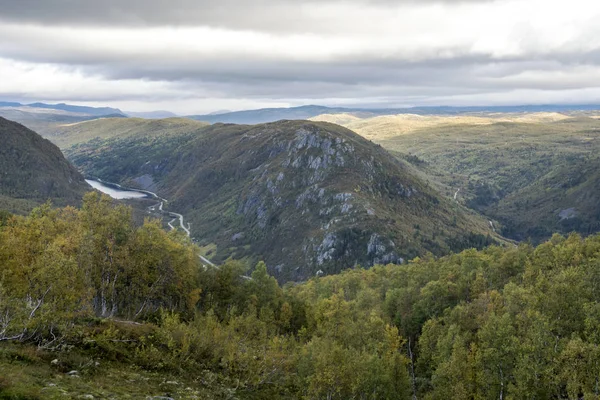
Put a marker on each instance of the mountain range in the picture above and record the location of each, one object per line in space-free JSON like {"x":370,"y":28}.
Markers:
{"x":95,"y":111}
{"x":310,"y":111}
{"x":413,"y":183}
{"x":303,"y":196}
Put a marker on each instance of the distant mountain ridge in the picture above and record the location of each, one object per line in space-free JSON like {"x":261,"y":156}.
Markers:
{"x":159,"y":114}
{"x":97,"y":111}
{"x":265,"y":115}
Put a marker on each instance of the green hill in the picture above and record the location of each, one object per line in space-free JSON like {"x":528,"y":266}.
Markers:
{"x":563,"y":200}
{"x":67,"y":135}
{"x":535,"y":173}
{"x":304,"y":196}
{"x":33,"y":170}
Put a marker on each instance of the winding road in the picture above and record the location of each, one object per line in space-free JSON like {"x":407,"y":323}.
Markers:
{"x":160,"y":205}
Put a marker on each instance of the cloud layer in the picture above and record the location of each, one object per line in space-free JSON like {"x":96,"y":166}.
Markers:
{"x":197,"y":56}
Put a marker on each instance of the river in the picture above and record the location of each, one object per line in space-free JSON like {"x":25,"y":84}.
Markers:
{"x":115,"y":192}
{"x":119,"y":193}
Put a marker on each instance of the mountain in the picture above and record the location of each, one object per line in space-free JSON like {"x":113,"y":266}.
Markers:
{"x":535,"y":173}
{"x":266,"y":115}
{"x":307,"y":112}
{"x":151,"y":114}
{"x":10,"y":104}
{"x":44,"y":119}
{"x":303,"y":196}
{"x":97,"y":111}
{"x":34,"y":170}
{"x":140,"y":129}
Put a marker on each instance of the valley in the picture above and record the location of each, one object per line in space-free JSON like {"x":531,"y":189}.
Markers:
{"x":523,"y":170}
{"x":366,"y":241}
{"x":299,"y":200}
{"x":495,"y":174}
{"x":251,"y":190}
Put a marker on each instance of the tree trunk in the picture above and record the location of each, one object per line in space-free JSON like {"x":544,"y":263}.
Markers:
{"x":412,"y":370}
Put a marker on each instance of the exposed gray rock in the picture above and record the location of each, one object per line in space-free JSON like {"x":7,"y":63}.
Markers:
{"x":343,"y":196}
{"x":271,"y":187}
{"x":326,"y":249}
{"x":146,"y":182}
{"x":381,"y":250}
{"x":346,"y":207}
{"x":567,"y":213}
{"x":262,"y":216}
{"x":237,"y":236}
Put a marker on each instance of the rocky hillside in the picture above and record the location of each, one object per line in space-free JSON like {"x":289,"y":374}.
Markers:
{"x":304,"y":196}
{"x":537,"y":174}
{"x":33,"y":170}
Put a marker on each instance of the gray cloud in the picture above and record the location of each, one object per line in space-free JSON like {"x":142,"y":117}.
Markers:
{"x":400,"y":53}
{"x":261,"y":15}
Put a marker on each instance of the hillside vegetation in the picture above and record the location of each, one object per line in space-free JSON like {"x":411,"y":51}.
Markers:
{"x":33,"y":170}
{"x":93,"y":306}
{"x":388,"y":126}
{"x":304,"y":196}
{"x":536,"y":174}
{"x":45,"y":121}
{"x":70,"y":134}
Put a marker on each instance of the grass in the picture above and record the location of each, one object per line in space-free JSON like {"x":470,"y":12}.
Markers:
{"x":27,"y":373}
{"x":67,"y":135}
{"x":208,"y":250}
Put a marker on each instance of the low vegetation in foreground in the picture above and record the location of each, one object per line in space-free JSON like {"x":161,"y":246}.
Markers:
{"x":93,"y":306}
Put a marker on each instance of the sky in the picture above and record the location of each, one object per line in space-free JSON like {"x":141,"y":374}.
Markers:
{"x":200,"y":56}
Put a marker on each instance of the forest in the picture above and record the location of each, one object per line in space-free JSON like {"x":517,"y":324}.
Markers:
{"x":84,"y":291}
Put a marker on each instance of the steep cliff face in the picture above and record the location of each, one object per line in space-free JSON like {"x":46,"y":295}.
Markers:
{"x":306,"y":197}
{"x":33,"y":170}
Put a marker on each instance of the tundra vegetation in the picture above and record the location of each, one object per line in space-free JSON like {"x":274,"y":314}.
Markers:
{"x":92,"y":305}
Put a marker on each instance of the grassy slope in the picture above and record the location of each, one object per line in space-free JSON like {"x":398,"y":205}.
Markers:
{"x":34,"y":170}
{"x":29,"y":373}
{"x":280,"y":192}
{"x":522,"y":173}
{"x":67,"y":135}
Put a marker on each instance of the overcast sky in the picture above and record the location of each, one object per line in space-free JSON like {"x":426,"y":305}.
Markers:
{"x":195,"y":56}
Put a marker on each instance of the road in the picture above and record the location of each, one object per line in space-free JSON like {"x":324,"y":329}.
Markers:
{"x":180,"y":218}
{"x":174,"y":215}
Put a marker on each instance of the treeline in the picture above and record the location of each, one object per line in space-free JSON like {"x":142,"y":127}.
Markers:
{"x":509,"y":323}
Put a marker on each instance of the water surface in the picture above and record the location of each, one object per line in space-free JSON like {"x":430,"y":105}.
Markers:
{"x":115,"y":192}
